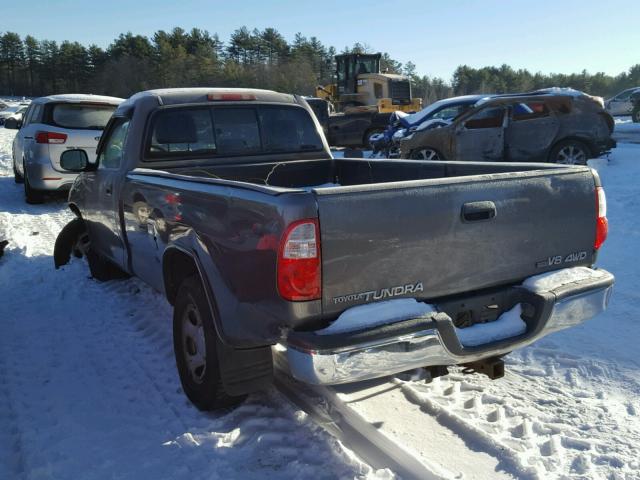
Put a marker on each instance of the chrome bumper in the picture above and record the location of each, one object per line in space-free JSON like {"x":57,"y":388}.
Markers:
{"x":431,"y":340}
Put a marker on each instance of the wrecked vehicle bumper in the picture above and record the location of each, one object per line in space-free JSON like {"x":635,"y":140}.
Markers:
{"x":433,"y":339}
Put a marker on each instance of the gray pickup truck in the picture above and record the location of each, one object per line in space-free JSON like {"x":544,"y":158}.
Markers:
{"x":229,"y":203}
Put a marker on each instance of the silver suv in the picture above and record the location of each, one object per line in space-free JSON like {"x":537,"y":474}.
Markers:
{"x":49,"y":127}
{"x":621,"y":103}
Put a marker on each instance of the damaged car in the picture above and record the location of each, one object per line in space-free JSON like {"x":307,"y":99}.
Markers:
{"x":554,"y":125}
{"x":438,"y":114}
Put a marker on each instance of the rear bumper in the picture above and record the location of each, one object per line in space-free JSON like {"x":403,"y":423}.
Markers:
{"x":432,"y":340}
{"x":42,"y":176}
{"x":605,"y":146}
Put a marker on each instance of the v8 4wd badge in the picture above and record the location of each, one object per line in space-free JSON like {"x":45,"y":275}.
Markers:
{"x":562,"y":259}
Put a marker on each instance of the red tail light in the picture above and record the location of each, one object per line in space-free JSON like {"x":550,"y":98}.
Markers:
{"x":299,"y":274}
{"x":50,"y":137}
{"x":602,"y":225}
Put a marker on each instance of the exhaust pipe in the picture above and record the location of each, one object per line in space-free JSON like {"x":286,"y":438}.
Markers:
{"x":491,"y":367}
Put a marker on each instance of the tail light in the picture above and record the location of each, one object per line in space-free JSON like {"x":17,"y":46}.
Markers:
{"x":50,"y":137}
{"x":299,"y":274}
{"x":602,"y":225}
{"x":230,"y":97}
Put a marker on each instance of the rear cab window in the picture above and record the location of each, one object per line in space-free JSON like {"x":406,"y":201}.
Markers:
{"x":79,"y":116}
{"x":239,"y":130}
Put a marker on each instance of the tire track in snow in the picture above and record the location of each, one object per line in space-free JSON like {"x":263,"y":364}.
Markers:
{"x":543,"y":427}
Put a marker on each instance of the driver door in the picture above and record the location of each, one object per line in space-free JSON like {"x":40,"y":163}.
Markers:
{"x":481,"y":136}
{"x":104,"y":211}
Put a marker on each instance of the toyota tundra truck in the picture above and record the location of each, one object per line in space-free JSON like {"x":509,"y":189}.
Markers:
{"x":229,"y":203}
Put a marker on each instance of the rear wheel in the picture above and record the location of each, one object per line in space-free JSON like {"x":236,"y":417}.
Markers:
{"x":367,"y":135}
{"x":570,"y":152}
{"x":31,"y":195}
{"x":426,"y":154}
{"x":635,"y":115}
{"x":195,"y":343}
{"x":16,"y":174}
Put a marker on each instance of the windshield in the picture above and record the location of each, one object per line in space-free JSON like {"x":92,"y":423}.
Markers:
{"x":81,"y":116}
{"x":428,"y":112}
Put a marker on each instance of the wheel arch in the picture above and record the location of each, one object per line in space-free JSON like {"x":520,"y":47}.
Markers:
{"x":588,"y":142}
{"x":242,"y":371}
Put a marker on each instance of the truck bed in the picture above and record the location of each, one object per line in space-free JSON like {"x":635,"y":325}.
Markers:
{"x":441,"y":228}
{"x":353,"y":172}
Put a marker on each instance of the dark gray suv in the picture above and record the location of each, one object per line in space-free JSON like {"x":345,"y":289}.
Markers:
{"x":563,"y":126}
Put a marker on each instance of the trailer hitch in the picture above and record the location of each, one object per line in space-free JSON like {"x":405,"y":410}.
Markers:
{"x":491,"y":367}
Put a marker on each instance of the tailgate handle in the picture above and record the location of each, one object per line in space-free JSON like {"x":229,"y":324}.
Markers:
{"x":478,"y":211}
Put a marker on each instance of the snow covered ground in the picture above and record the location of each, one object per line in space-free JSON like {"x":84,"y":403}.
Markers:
{"x":88,"y":386}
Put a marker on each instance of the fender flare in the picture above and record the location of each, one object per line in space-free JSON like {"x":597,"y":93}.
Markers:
{"x":242,"y":371}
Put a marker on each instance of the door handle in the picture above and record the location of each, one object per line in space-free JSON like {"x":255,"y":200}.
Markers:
{"x":478,"y":211}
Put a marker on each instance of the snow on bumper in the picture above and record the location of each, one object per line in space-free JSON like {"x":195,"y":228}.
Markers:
{"x":431,"y":339}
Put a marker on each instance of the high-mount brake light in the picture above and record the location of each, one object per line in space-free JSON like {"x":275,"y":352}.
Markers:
{"x":50,"y":137}
{"x":230,"y":97}
{"x":602,"y":224}
{"x":299,"y":270}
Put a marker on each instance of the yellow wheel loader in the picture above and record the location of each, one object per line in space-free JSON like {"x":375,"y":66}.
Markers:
{"x":360,"y":86}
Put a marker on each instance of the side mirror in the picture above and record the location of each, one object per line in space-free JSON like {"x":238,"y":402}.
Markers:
{"x":74,"y":160}
{"x":13,"y":123}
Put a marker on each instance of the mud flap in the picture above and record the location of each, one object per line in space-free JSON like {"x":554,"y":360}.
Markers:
{"x":245,"y":371}
{"x":66,"y":240}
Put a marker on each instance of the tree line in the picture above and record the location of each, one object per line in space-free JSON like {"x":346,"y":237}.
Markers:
{"x":249,"y":58}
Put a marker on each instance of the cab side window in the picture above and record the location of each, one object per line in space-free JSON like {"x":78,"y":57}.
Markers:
{"x":113,"y":147}
{"x":490,"y":117}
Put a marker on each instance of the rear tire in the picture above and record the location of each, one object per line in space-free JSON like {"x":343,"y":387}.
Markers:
{"x":195,"y":344}
{"x":570,"y":152}
{"x":635,"y":115}
{"x":16,"y":175}
{"x":427,"y":153}
{"x":31,"y":195}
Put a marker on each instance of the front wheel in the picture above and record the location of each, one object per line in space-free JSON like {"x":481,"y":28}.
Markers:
{"x":570,"y":152}
{"x":425,"y":154}
{"x":635,"y":115}
{"x":195,"y":344}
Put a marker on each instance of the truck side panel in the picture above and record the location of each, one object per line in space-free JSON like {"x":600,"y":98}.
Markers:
{"x":234,"y":233}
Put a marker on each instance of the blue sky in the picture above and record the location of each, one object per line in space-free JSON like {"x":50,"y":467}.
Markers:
{"x":549,"y":36}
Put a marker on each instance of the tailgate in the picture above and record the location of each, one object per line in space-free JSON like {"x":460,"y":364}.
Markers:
{"x":432,"y":238}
